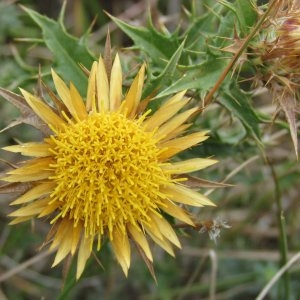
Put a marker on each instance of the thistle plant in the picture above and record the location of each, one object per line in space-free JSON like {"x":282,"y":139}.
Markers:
{"x":104,"y":169}
{"x":170,"y":143}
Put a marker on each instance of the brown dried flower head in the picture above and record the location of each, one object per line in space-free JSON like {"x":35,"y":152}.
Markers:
{"x":276,"y":55}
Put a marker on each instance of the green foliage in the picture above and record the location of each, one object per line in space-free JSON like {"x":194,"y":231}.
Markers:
{"x":68,"y":51}
{"x":238,"y":103}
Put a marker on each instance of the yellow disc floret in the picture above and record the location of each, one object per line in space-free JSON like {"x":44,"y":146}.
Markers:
{"x":107,"y":173}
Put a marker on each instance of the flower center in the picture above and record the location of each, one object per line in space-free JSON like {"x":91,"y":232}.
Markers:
{"x":107,"y":173}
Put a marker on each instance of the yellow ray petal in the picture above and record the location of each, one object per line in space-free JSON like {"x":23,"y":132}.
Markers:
{"x":188,"y":166}
{"x":139,"y":237}
{"x":185,"y":195}
{"x":165,"y":112}
{"x":70,"y":97}
{"x":133,"y":96}
{"x":31,"y":209}
{"x":78,"y":103}
{"x":49,"y":209}
{"x":177,"y":145}
{"x":174,"y":123}
{"x":102,"y":87}
{"x":163,"y":243}
{"x":19,"y":220}
{"x":65,"y":245}
{"x":76,"y":233}
{"x":166,"y":229}
{"x":176,"y":212}
{"x":154,"y":229}
{"x":175,"y":133}
{"x":34,"y":193}
{"x":63,"y":91}
{"x":115,"y":85}
{"x":30,"y":149}
{"x":33,"y":170}
{"x":92,"y":90}
{"x":43,"y":111}
{"x":176,"y":98}
{"x":121,"y":247}
{"x":57,"y":232}
{"x":84,"y":253}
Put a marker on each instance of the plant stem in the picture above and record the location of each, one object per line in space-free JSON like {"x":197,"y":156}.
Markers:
{"x":282,"y":232}
{"x":209,"y":97}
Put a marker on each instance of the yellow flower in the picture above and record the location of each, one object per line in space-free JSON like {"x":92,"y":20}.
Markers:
{"x":104,"y":171}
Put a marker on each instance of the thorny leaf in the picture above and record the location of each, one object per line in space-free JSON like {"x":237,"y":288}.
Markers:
{"x":28,"y":115}
{"x":68,"y":51}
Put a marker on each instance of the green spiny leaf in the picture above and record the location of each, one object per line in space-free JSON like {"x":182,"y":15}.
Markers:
{"x":247,"y":14}
{"x":201,"y":78}
{"x":68,"y":51}
{"x":238,"y":103}
{"x":167,"y":75}
{"x":155,"y":44}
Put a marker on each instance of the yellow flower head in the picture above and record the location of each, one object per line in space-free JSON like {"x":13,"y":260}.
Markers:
{"x":104,"y":171}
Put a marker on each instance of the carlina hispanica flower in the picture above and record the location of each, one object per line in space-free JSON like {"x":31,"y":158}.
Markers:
{"x":104,"y":170}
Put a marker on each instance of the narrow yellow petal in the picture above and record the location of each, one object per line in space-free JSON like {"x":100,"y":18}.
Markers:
{"x":58,"y":232}
{"x":76,"y":233}
{"x":43,"y":111}
{"x":165,"y":112}
{"x":133,"y":97}
{"x":84,"y":253}
{"x":19,"y":220}
{"x":174,"y":123}
{"x":116,"y":85}
{"x":65,"y":245}
{"x":30,"y":149}
{"x":185,"y":195}
{"x":175,"y":133}
{"x":177,"y":145}
{"x":154,"y":229}
{"x":31,"y":209}
{"x":165,"y":244}
{"x":49,"y":209}
{"x":121,"y":247}
{"x":139,"y":237}
{"x":62,"y":90}
{"x":102,"y":87}
{"x":33,"y":170}
{"x":78,"y":103}
{"x":166,"y":229}
{"x":34,"y":193}
{"x":70,"y":97}
{"x":176,"y":98}
{"x":175,"y":211}
{"x":188,"y":166}
{"x":92,"y":90}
